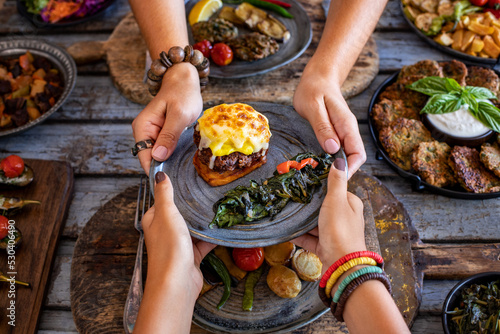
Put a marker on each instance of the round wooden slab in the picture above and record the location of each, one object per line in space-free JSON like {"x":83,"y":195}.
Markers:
{"x":104,"y":258}
{"x":125,"y":52}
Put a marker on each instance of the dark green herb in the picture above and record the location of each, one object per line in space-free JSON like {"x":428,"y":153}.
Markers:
{"x":447,"y":96}
{"x":264,"y":4}
{"x":250,"y":282}
{"x":479,"y":310}
{"x":256,"y":201}
{"x":221,"y":270}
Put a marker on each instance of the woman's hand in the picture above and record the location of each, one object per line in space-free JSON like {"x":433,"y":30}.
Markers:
{"x":174,"y":279}
{"x":176,"y":106}
{"x":341,"y":225}
{"x":319,"y":100}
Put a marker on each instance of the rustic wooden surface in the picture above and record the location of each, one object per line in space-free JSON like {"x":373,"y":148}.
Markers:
{"x":95,"y":124}
{"x":125,"y":54}
{"x":41,"y":227}
{"x":109,"y":241}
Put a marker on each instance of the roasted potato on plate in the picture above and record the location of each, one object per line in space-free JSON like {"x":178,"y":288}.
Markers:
{"x":307,"y":265}
{"x":279,"y":254}
{"x":283,"y":281}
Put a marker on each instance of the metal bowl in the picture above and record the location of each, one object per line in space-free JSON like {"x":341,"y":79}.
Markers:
{"x":57,"y":56}
{"x":453,"y":297}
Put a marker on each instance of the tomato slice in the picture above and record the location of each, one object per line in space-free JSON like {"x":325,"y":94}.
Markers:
{"x":4,"y":227}
{"x":12,"y":166}
{"x":248,"y":259}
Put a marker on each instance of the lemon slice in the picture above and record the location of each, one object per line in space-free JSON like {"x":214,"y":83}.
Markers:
{"x":203,"y":10}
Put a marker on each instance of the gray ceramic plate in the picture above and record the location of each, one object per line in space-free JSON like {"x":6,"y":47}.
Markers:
{"x":270,"y":313}
{"x":57,"y":56}
{"x":301,"y":35}
{"x":291,"y":135}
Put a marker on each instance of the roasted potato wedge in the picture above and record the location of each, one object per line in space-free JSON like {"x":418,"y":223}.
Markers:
{"x":283,"y":281}
{"x":307,"y":265}
{"x":279,"y":254}
{"x":490,"y":47}
{"x":258,"y":20}
{"x":223,"y":253}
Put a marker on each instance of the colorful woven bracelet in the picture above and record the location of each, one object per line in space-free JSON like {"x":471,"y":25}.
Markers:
{"x":345,"y":267}
{"x":177,"y":55}
{"x":352,"y":276}
{"x":346,"y":258}
{"x":338,"y":308}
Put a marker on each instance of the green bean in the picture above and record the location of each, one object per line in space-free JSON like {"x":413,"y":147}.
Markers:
{"x":271,"y":6}
{"x":252,"y":279}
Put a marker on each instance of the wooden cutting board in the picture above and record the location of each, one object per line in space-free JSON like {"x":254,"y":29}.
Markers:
{"x":125,"y":53}
{"x":104,"y":258}
{"x":41,"y":226}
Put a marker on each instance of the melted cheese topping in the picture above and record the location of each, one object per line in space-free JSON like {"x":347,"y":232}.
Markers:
{"x":229,"y":128}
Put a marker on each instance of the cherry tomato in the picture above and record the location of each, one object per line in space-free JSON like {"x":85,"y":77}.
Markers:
{"x":205,"y":47}
{"x":4,"y":227}
{"x":494,"y":4}
{"x":12,"y":166}
{"x":248,"y":259}
{"x":479,"y":2}
{"x":222,"y":54}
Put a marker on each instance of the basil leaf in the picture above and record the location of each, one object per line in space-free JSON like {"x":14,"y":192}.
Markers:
{"x":470,"y":100}
{"x":442,"y":104}
{"x":489,"y":115}
{"x":481,"y":93}
{"x":452,"y":85}
{"x":430,"y":86}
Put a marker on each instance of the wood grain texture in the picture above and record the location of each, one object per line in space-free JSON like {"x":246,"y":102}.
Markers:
{"x":41,"y":226}
{"x":109,"y":241}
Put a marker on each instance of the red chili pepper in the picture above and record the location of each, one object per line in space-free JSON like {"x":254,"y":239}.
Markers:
{"x":279,"y":3}
{"x":284,"y":167}
{"x":495,"y":12}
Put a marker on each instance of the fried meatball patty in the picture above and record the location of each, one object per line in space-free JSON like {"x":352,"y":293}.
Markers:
{"x":490,"y":157}
{"x":253,"y":46}
{"x":411,"y":99}
{"x":456,"y":70}
{"x":235,"y":160}
{"x":424,"y":68}
{"x":216,"y":30}
{"x":483,"y":77}
{"x":387,"y":111}
{"x":430,"y":161}
{"x":401,"y":137}
{"x":469,"y":171}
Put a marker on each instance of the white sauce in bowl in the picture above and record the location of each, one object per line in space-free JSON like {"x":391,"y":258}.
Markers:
{"x":459,"y":123}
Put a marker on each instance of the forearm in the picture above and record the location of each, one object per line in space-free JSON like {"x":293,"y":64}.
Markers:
{"x":162,"y":22}
{"x":370,"y":309}
{"x":168,"y":302}
{"x":348,"y":26}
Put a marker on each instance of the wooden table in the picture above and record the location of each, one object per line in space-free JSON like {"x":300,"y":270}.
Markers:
{"x":94,"y":125}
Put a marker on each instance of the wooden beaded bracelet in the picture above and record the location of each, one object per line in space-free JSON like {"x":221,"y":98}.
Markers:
{"x":345,"y":267}
{"x":338,"y":308}
{"x":177,"y":55}
{"x":346,"y":258}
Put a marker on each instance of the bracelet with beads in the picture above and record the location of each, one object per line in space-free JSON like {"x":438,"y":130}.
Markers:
{"x":174,"y":56}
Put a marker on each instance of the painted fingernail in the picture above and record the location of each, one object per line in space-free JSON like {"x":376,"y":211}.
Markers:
{"x":160,"y":177}
{"x":160,"y":153}
{"x":331,"y":146}
{"x":339,"y":163}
